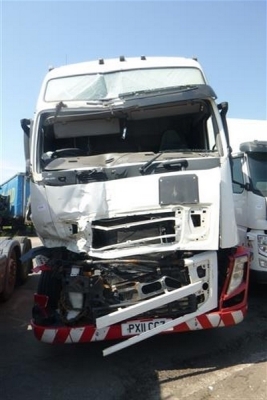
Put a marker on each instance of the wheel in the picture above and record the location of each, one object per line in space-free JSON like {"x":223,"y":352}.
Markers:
{"x":25,"y":268}
{"x":10,"y":280}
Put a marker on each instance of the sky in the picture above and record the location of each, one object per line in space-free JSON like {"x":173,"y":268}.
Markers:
{"x":227,"y":37}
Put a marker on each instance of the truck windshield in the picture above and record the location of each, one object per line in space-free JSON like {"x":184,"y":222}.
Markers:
{"x":258,"y":172}
{"x":110,"y":85}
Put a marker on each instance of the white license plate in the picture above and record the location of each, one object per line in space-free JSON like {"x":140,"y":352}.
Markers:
{"x":137,"y":327}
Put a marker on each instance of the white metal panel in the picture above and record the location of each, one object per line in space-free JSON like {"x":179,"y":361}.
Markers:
{"x":56,"y":208}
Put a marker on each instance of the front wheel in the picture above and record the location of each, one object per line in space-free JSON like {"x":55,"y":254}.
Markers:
{"x":25,"y":268}
{"x":10,"y":279}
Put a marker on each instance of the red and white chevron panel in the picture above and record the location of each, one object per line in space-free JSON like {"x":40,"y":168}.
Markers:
{"x":89,"y":333}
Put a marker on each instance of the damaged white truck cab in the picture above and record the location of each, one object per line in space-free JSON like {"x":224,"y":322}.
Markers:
{"x":132,"y":198}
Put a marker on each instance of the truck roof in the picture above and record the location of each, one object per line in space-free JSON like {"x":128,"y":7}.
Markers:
{"x":121,"y":63}
{"x":255,"y":146}
{"x":101,"y":79}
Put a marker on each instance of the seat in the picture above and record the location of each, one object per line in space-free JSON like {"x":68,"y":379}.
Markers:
{"x":172,"y":140}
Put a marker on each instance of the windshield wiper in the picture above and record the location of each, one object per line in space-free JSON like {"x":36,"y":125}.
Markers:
{"x":180,"y":163}
{"x":183,"y":88}
{"x":59,"y":107}
{"x":52,"y":120}
{"x":103,"y":101}
{"x":149,"y":162}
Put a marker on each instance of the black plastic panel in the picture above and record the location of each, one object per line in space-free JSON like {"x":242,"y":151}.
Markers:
{"x":178,"y":190}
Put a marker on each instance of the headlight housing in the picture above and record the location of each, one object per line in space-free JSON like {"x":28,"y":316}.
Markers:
{"x":262,"y":244}
{"x":238,"y":273}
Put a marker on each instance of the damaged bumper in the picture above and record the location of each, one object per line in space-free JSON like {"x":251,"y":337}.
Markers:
{"x":152,"y":316}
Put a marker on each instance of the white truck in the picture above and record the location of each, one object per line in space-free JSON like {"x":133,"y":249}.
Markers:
{"x":131,"y":196}
{"x":249,"y":141}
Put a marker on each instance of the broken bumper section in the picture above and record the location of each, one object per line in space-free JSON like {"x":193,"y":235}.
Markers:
{"x":225,"y":304}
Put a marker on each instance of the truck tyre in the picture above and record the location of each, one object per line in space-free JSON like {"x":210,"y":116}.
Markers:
{"x":50,"y":286}
{"x":10,"y":279}
{"x":24,"y":268}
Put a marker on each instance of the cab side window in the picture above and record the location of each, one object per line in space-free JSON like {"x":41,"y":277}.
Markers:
{"x":238,"y":179}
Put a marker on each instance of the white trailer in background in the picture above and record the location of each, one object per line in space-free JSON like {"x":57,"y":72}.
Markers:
{"x":248,"y":139}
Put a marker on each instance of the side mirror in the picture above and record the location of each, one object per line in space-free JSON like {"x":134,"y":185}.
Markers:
{"x":26,"y":127}
{"x":223,"y":109}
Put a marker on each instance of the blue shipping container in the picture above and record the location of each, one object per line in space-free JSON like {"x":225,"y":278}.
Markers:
{"x":17,"y":190}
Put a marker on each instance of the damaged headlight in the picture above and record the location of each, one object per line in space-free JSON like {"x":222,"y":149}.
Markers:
{"x":75,"y":297}
{"x":237,"y":274}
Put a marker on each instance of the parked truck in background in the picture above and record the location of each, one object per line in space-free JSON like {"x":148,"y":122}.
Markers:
{"x":249,"y":141}
{"x":13,"y":271}
{"x":131,"y":196}
{"x":14,"y":201}
{"x":14,"y":197}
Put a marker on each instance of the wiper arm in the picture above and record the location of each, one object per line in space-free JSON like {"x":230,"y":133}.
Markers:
{"x":59,"y":106}
{"x":149,"y":162}
{"x":180,"y":163}
{"x":102,"y":101}
{"x":183,"y":88}
{"x":52,"y":119}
